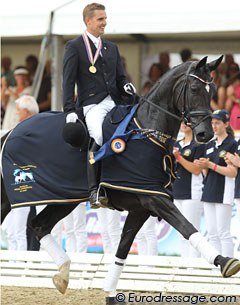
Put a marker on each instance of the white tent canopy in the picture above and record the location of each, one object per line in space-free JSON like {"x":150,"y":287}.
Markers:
{"x":30,"y":18}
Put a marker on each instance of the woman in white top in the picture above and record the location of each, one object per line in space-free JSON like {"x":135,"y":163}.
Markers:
{"x":11,"y":118}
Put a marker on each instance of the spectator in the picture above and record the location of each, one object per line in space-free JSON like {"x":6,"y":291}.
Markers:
{"x":26,"y":107}
{"x":155,"y":72}
{"x":146,"y":238}
{"x":44,"y":95}
{"x":146,"y":87}
{"x":218,"y":191}
{"x":75,"y":229}
{"x":187,"y":188}
{"x":219,"y":98}
{"x":10,"y":94}
{"x":4,"y":97}
{"x":233,"y":101}
{"x":234,"y":159}
{"x":164,"y":60}
{"x":7,"y":72}
{"x":124,"y":63}
{"x":110,"y":229}
{"x":185,"y":54}
{"x":31,"y":62}
{"x":232,"y":70}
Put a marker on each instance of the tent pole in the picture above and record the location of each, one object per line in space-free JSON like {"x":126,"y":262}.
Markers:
{"x":57,"y":47}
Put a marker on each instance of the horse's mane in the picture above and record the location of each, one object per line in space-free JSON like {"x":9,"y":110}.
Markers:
{"x":167,"y":80}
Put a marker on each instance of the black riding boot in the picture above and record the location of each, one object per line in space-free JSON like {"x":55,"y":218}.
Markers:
{"x":94,"y":173}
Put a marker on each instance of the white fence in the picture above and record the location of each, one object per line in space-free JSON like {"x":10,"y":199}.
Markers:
{"x":141,"y":273}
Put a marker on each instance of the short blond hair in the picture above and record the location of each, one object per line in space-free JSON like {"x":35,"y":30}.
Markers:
{"x":29,"y":103}
{"x":89,"y":10}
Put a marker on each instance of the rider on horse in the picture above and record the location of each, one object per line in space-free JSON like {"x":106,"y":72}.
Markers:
{"x":94,"y":64}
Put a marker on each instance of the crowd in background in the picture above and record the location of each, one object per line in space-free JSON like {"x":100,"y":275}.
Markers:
{"x":226,"y":78}
{"x":15,"y":106}
{"x":18,"y":82}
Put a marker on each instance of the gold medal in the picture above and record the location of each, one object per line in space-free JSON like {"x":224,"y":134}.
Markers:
{"x":92,"y":69}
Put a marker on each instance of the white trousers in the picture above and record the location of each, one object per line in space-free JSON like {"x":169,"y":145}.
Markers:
{"x":192,"y":209}
{"x":75,"y":230}
{"x":237,"y":202}
{"x":94,"y":116}
{"x":110,"y":229}
{"x":218,"y":221}
{"x":16,"y":226}
{"x":146,"y":238}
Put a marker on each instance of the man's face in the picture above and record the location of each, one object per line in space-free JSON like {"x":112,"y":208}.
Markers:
{"x":96,"y":25}
{"x":22,"y":114}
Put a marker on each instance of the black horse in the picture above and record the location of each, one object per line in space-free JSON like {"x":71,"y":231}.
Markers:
{"x":139,"y":178}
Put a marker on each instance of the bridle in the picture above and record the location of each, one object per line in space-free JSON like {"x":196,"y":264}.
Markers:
{"x":185,"y":115}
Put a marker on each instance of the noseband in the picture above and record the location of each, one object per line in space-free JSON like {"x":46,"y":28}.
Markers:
{"x":186,"y":116}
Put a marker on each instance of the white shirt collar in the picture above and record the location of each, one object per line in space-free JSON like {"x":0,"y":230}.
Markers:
{"x":94,"y":39}
{"x":182,"y":144}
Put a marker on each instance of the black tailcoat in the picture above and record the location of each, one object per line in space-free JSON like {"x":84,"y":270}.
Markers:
{"x":91,"y":88}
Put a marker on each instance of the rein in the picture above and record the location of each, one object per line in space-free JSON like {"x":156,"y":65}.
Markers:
{"x":186,"y":116}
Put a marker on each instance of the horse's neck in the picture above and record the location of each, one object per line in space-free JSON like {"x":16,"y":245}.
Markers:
{"x":151,"y":117}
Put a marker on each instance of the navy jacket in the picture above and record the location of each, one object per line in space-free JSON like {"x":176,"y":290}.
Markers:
{"x":215,"y":187}
{"x":91,"y":88}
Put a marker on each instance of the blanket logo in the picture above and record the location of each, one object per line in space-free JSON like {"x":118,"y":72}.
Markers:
{"x":23,"y":175}
{"x":118,"y":145}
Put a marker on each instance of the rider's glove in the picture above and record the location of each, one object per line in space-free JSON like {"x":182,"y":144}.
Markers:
{"x":129,"y":88}
{"x":71,"y":117}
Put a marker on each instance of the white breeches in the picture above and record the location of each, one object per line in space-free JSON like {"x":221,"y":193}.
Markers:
{"x":75,"y":230}
{"x":16,"y":223}
{"x":218,"y":221}
{"x":146,"y":238}
{"x":110,"y":229}
{"x":94,"y":116}
{"x":237,"y":202}
{"x":192,"y":209}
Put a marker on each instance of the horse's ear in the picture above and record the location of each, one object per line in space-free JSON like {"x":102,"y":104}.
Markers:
{"x":214,"y":64}
{"x":201,"y":63}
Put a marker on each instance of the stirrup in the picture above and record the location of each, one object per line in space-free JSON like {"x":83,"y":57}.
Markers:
{"x":97,"y":201}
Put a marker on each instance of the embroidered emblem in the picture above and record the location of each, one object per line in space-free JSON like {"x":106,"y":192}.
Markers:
{"x":118,"y":145}
{"x":187,"y":152}
{"x":222,"y":153}
{"x":22,"y":176}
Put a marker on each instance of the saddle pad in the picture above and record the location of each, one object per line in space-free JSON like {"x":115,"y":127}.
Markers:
{"x":39,"y":167}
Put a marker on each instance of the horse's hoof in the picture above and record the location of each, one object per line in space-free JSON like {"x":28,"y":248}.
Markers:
{"x":61,"y":279}
{"x":231,"y":267}
{"x":60,"y":283}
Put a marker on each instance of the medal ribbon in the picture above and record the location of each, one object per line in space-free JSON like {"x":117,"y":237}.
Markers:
{"x":89,"y":50}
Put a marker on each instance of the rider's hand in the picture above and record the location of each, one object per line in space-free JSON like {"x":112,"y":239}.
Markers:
{"x":71,"y":117}
{"x":129,"y":88}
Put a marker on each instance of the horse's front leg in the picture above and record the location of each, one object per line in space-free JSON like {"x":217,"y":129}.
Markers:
{"x":42,"y":225}
{"x":133,"y":224}
{"x":165,"y":208}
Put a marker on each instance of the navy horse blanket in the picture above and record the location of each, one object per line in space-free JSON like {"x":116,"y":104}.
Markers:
{"x":39,"y":167}
{"x":140,"y":164}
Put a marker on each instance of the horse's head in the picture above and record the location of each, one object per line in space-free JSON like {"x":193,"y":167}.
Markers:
{"x":192,"y":97}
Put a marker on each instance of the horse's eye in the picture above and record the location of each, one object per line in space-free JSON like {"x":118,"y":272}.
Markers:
{"x":194,"y":88}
